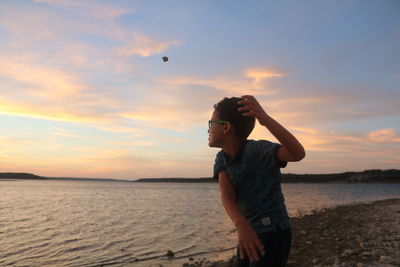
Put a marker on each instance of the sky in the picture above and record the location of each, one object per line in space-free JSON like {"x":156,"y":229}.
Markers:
{"x":84,"y":91}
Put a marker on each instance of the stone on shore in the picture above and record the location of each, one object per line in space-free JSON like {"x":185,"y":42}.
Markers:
{"x":361,"y":235}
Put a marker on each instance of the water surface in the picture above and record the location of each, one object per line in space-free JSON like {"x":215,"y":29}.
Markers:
{"x":83,"y":223}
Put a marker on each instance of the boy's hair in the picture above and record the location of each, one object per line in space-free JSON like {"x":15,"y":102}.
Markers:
{"x":228,"y":111}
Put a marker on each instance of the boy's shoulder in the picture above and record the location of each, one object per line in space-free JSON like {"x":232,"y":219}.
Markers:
{"x":256,"y":148}
{"x":257,"y":144}
{"x":266,"y":151}
{"x":261,"y":148}
{"x":250,"y":149}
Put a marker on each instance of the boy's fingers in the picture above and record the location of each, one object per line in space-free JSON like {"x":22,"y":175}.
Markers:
{"x":247,"y":97}
{"x":249,"y":253}
{"x":260,"y":247}
{"x":253,"y":252}
{"x":244,"y":108}
{"x":248,"y":114}
{"x":248,"y":100}
{"x":244,"y":102}
{"x":241,"y":251}
{"x":245,"y":105}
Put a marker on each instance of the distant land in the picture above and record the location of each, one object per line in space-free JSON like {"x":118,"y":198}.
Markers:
{"x":367,"y":176}
{"x":30,"y":176}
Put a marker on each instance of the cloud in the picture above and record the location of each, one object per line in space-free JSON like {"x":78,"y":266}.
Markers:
{"x":259,"y":75}
{"x":15,"y":144}
{"x":253,"y":82}
{"x":26,"y":25}
{"x":41,"y":81}
{"x":97,"y":10}
{"x":54,"y":72}
{"x":340,"y":143}
{"x":93,"y":42}
{"x":15,"y":108}
{"x":144,"y":46}
{"x":67,"y":133}
{"x":330,"y":151}
{"x":39,"y":28}
{"x":384,"y":136}
{"x":169,"y":117}
{"x":124,"y":114}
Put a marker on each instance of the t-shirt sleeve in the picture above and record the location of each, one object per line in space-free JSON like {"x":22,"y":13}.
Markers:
{"x":219,"y":164}
{"x":269,"y":152}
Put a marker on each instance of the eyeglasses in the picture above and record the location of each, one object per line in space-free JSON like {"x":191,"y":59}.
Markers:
{"x":211,"y":122}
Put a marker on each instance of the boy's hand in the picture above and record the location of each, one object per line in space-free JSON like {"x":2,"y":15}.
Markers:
{"x":252,"y":108}
{"x":249,"y":243}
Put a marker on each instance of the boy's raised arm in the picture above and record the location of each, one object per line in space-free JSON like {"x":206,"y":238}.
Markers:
{"x":249,"y":243}
{"x":291,"y":149}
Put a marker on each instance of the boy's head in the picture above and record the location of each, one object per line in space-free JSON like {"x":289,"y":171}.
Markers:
{"x":227,"y":111}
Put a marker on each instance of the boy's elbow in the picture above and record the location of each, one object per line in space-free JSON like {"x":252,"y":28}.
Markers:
{"x":300,"y":155}
{"x":296,"y":154}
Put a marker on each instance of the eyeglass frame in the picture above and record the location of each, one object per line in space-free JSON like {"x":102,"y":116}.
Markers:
{"x":210,"y":122}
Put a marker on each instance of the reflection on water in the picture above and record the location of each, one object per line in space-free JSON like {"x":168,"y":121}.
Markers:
{"x":76,"y":223}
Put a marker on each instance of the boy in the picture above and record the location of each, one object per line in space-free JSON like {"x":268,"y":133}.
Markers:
{"x":249,"y":177}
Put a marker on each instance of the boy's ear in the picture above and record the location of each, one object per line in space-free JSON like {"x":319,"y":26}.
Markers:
{"x":227,"y":127}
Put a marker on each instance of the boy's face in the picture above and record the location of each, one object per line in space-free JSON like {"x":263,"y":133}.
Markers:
{"x":216,"y":131}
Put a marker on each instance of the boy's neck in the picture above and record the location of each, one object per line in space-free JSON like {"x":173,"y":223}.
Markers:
{"x":233,"y":147}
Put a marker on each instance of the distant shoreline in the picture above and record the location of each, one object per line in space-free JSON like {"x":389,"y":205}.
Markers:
{"x":367,"y":176}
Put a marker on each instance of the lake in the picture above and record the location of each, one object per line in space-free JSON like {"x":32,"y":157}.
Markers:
{"x":91,"y":223}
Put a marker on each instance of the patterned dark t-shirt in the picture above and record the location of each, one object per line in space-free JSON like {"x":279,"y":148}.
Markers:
{"x":256,"y":177}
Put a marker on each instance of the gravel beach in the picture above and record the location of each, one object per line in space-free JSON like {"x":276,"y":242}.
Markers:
{"x":358,"y":235}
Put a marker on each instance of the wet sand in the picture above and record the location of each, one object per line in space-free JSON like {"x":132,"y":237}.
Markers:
{"x":353,"y":235}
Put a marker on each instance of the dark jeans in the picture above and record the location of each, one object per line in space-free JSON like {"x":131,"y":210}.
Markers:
{"x":277,"y":247}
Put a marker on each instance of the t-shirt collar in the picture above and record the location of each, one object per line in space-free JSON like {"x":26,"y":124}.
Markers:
{"x":238,"y":155}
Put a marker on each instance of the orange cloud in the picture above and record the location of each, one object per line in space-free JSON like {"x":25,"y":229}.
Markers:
{"x":304,"y":130}
{"x":41,"y":81}
{"x":318,"y":140}
{"x":66,"y":133}
{"x":259,"y":75}
{"x":312,"y":139}
{"x":145,"y":46}
{"x":43,"y":112}
{"x":384,"y":135}
{"x":102,"y":121}
{"x":231,"y":86}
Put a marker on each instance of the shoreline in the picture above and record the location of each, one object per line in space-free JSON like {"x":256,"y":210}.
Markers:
{"x":366,"y":176}
{"x":360,"y":235}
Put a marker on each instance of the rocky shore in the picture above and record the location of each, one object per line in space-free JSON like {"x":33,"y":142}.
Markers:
{"x":357,"y":235}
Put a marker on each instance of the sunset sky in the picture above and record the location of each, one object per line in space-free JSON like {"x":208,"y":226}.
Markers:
{"x":85,"y":93}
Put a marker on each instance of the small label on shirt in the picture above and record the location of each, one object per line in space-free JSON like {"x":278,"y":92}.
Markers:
{"x":266,"y":221}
